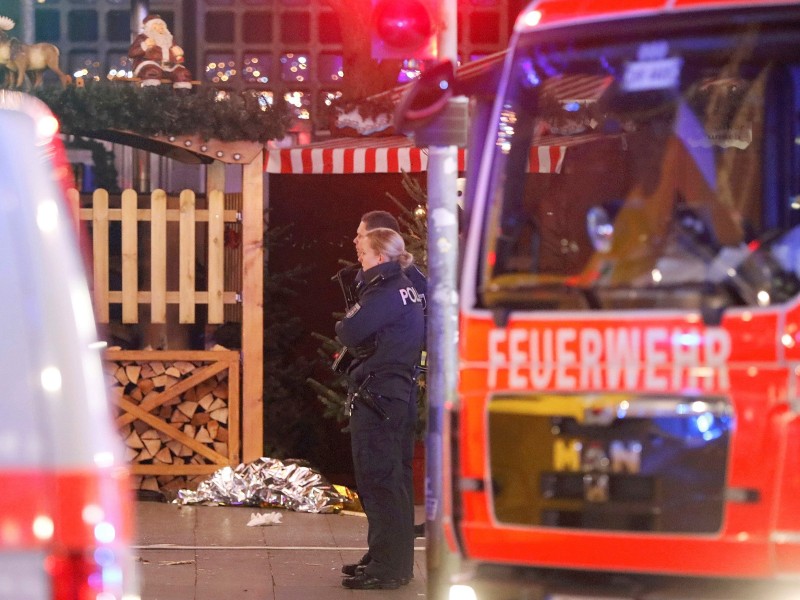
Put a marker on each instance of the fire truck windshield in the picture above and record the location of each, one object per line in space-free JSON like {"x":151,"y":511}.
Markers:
{"x":645,"y":172}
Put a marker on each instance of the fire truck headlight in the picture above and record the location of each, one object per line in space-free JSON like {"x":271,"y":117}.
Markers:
{"x":462,"y":592}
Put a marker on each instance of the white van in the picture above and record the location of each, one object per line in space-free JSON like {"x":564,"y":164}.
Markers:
{"x":66,"y":509}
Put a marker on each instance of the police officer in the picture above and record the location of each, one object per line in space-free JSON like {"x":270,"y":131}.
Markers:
{"x":380,"y":218}
{"x":389,"y":316}
{"x":351,"y":279}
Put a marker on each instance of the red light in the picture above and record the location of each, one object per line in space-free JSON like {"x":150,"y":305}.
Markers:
{"x":74,"y":576}
{"x":403,"y":29}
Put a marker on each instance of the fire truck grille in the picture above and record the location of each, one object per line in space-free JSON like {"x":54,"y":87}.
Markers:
{"x":610,"y":461}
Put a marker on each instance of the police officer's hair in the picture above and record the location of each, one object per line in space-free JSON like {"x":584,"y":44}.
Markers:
{"x":389,"y":243}
{"x":380,"y":218}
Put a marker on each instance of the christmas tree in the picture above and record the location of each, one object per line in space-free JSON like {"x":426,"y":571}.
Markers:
{"x":332,"y":392}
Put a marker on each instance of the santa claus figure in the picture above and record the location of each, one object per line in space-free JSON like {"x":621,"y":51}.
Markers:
{"x":156,"y":57}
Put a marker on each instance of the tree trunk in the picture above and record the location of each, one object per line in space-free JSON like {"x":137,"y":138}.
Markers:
{"x":363,"y":75}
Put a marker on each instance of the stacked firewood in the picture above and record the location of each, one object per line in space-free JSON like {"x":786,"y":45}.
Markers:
{"x":198,"y":414}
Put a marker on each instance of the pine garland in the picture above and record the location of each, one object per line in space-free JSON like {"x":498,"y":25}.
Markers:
{"x":205,"y":111}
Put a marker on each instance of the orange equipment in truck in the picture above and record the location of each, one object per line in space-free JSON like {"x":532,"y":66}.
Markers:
{"x":628,"y":414}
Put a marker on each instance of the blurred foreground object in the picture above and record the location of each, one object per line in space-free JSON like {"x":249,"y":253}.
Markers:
{"x":66,"y":506}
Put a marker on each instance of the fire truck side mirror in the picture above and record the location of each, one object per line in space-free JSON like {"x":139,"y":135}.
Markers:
{"x":431,"y":112}
{"x":426,"y":99}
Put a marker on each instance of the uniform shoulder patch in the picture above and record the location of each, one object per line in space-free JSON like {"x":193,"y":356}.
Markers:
{"x":353,"y":310}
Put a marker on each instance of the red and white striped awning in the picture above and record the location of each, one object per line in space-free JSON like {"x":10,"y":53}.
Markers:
{"x":393,"y":154}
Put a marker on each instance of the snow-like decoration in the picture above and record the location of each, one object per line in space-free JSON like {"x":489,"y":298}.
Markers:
{"x":361,"y":124}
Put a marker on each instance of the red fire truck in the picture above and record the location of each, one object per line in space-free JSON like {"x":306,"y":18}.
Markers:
{"x":628,"y":414}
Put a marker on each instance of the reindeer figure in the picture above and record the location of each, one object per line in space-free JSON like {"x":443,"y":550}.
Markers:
{"x":19,"y":59}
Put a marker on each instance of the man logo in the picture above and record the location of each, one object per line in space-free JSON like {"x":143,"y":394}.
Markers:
{"x":574,"y":455}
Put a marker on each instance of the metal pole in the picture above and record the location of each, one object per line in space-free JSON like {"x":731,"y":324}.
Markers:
{"x":442,"y":325}
{"x":27,"y":18}
{"x":141,"y":158}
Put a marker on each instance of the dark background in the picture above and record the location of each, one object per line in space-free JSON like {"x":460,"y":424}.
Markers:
{"x":322,"y":213}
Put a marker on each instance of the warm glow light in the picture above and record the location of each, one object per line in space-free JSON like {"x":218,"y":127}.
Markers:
{"x":462,"y":592}
{"x":47,"y":215}
{"x":51,"y":379}
{"x":43,"y":527}
{"x":92,"y":514}
{"x":531,"y":18}
{"x":104,"y":532}
{"x":46,"y":128}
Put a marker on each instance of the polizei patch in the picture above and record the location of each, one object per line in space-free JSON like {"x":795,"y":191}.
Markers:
{"x":353,"y":310}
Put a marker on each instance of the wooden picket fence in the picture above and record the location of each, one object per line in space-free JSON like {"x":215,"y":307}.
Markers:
{"x":131,"y":210}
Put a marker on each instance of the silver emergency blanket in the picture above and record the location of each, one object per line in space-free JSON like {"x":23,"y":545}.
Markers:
{"x":268,"y":482}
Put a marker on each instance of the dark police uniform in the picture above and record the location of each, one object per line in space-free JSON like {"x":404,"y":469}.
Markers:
{"x":389,"y":313}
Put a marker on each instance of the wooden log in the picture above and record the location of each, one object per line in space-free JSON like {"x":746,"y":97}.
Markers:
{"x":172,"y":487}
{"x":207,"y":387}
{"x":152,"y":446}
{"x":203,"y":436}
{"x":174,"y":401}
{"x":217,"y":403}
{"x":179,"y":449}
{"x":133,"y":440}
{"x":184,"y":366}
{"x":201,"y":418}
{"x":221,"y":414}
{"x":158,"y":367}
{"x":206,"y":401}
{"x":149,"y":483}
{"x":163,"y":456}
{"x":150,"y":397}
{"x":146,"y":385}
{"x":188,"y":408}
{"x":121,"y":376}
{"x":221,"y":391}
{"x":177,"y":417}
{"x":150,"y":402}
{"x":133,"y":372}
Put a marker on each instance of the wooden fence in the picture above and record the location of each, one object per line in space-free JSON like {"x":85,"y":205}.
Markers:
{"x":151,"y":264}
